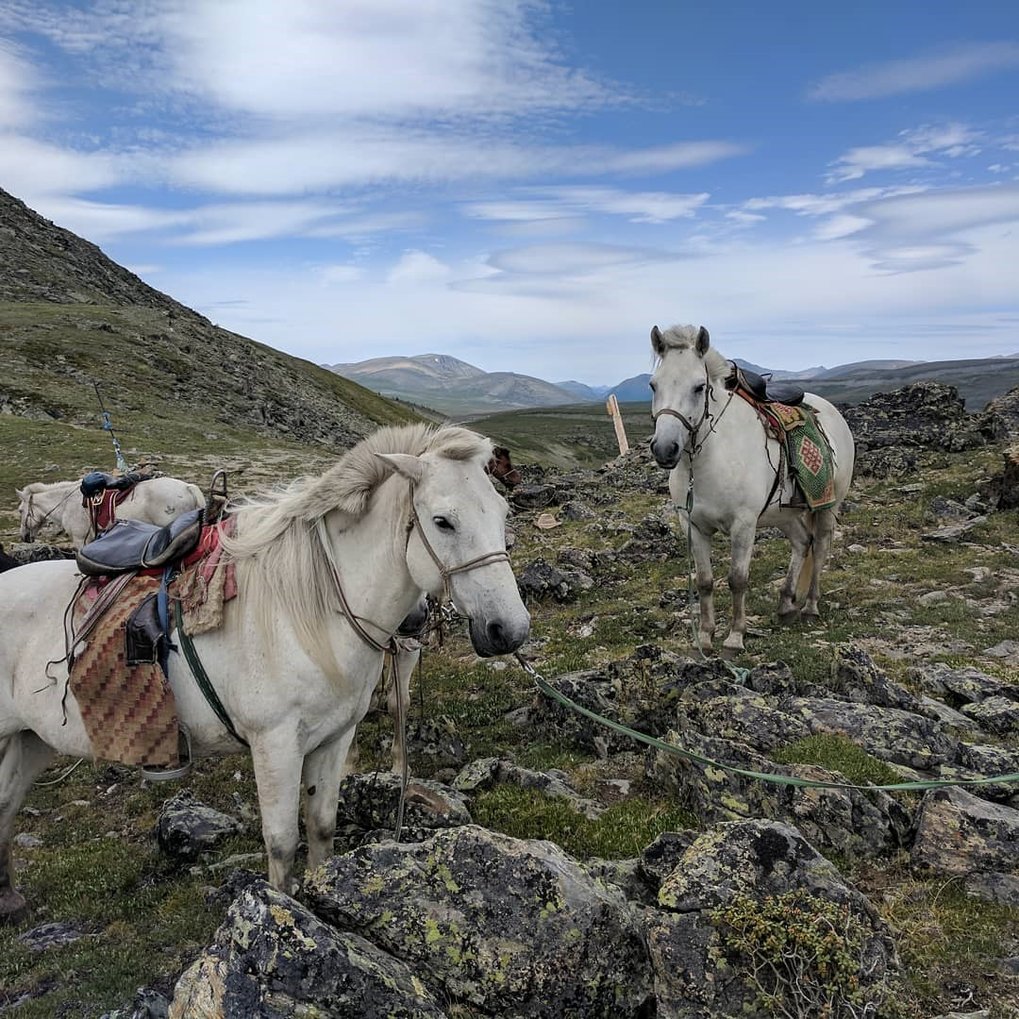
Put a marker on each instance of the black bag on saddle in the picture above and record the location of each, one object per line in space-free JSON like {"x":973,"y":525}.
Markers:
{"x":133,"y":545}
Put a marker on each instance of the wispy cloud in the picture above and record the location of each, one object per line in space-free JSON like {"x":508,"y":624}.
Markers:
{"x":914,"y":149}
{"x":918,"y":74}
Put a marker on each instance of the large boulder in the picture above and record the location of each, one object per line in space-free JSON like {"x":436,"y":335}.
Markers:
{"x":752,"y":911}
{"x":510,"y":927}
{"x":272,"y":958}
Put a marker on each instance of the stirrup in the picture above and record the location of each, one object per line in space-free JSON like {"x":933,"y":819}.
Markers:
{"x":172,"y":774}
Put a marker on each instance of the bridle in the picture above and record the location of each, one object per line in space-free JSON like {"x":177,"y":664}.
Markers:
{"x":413,"y":524}
{"x":693,"y":429}
{"x":446,"y":572}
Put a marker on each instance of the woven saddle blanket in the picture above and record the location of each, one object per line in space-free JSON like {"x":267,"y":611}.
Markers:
{"x":810,"y":457}
{"x":128,"y":709}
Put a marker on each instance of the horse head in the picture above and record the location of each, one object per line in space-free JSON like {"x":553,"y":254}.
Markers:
{"x":27,"y":514}
{"x":501,"y":467}
{"x":456,"y":546}
{"x":681,"y":390}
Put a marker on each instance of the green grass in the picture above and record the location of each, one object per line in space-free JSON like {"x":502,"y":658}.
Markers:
{"x":839,"y":753}
{"x":620,"y":833}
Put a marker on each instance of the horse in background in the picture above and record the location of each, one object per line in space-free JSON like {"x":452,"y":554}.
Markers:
{"x":60,"y":504}
{"x":326,"y":571}
{"x":728,"y":471}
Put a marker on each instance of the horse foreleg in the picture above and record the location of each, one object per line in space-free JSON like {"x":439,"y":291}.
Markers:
{"x":323,"y":770}
{"x":700,"y":546}
{"x":741,"y":549}
{"x":23,"y":757}
{"x":824,"y":530}
{"x":277,"y":765}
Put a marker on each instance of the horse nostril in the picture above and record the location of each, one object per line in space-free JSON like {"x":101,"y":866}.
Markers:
{"x":497,"y":636}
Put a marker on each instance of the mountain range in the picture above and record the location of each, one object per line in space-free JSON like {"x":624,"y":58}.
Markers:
{"x":456,"y":388}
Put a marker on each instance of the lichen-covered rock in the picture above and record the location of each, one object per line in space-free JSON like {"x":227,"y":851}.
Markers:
{"x":745,"y":716}
{"x":540,"y":580}
{"x":858,"y":679}
{"x":699,"y":974}
{"x":661,"y":857}
{"x":187,"y":828}
{"x":961,"y":686}
{"x":370,"y":801}
{"x":491,"y":771}
{"x":852,"y":821}
{"x":891,"y":734}
{"x":272,"y":958}
{"x":960,"y":834}
{"x":512,"y":927}
{"x":999,"y":715}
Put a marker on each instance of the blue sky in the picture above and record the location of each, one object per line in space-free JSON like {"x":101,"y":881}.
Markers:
{"x":532,"y":186}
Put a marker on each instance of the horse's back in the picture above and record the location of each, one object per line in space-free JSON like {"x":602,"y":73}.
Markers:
{"x":161,"y":500}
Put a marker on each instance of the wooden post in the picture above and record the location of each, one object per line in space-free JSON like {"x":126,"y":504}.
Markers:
{"x":612,"y":406}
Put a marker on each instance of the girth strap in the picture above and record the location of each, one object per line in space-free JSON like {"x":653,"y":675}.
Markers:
{"x":201,"y":676}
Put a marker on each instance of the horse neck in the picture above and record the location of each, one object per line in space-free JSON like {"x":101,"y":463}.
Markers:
{"x":730,"y":420}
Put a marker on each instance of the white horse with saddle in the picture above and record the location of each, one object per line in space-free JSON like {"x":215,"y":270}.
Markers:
{"x":326,"y":571}
{"x":730,"y":472}
{"x":59,"y":504}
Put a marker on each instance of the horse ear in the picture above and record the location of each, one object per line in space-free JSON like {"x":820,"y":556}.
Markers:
{"x":409,"y":466}
{"x":656,"y":340}
{"x":703,"y":341}
{"x":20,"y":493}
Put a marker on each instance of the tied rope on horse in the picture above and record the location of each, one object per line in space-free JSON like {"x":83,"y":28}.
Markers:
{"x":121,"y":630}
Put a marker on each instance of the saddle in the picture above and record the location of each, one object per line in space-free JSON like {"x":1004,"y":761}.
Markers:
{"x":135,"y":545}
{"x":761,"y":388}
{"x":96,"y":482}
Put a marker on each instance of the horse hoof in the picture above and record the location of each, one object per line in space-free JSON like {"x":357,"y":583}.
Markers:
{"x":790,"y":617}
{"x":810,"y":617}
{"x":12,"y":905}
{"x":727,"y":654}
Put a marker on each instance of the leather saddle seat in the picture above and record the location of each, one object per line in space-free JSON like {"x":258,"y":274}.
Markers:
{"x":762,"y":389}
{"x":97,"y":482}
{"x":134,"y":545}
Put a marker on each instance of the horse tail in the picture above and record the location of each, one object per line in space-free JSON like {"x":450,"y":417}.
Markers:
{"x":818,"y":522}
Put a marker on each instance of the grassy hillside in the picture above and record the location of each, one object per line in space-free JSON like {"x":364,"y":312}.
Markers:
{"x":579,"y":435}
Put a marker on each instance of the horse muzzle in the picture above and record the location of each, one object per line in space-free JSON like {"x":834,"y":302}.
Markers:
{"x":499,"y":636}
{"x":666,"y":452}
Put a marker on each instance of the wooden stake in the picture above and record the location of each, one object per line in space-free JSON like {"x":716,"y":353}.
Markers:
{"x":612,"y":406}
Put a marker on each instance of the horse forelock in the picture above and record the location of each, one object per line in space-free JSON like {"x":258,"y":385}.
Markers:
{"x":685,"y":338}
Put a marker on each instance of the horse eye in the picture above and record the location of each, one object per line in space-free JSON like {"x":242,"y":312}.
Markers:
{"x":699,"y":388}
{"x":654,"y":388}
{"x":443,"y":524}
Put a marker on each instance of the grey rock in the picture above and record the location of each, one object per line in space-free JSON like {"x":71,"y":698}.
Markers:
{"x":958,"y":833}
{"x":960,"y":686}
{"x":857,"y":678}
{"x":541,"y":580}
{"x":272,"y":958}
{"x":661,"y":857}
{"x":51,"y":935}
{"x":512,"y":927}
{"x":999,"y":715}
{"x":555,"y":784}
{"x":891,"y":734}
{"x":187,"y":828}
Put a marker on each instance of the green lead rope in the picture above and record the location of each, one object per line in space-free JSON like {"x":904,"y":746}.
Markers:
{"x":187,"y":645}
{"x":762,"y":776}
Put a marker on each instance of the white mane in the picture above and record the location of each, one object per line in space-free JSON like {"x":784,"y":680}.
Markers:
{"x":282,"y":563}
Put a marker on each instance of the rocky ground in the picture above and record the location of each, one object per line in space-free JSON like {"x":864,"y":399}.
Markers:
{"x":552,"y":867}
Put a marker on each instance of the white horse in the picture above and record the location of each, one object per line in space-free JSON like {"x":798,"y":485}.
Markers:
{"x":155,"y":500}
{"x":719,"y":451}
{"x":326,"y":571}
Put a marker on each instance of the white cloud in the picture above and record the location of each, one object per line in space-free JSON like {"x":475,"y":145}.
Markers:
{"x":418,"y":267}
{"x":918,"y":74}
{"x":33,"y":169}
{"x":912,"y":151}
{"x":569,"y":202}
{"x":16,"y":81}
{"x":573,"y":259}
